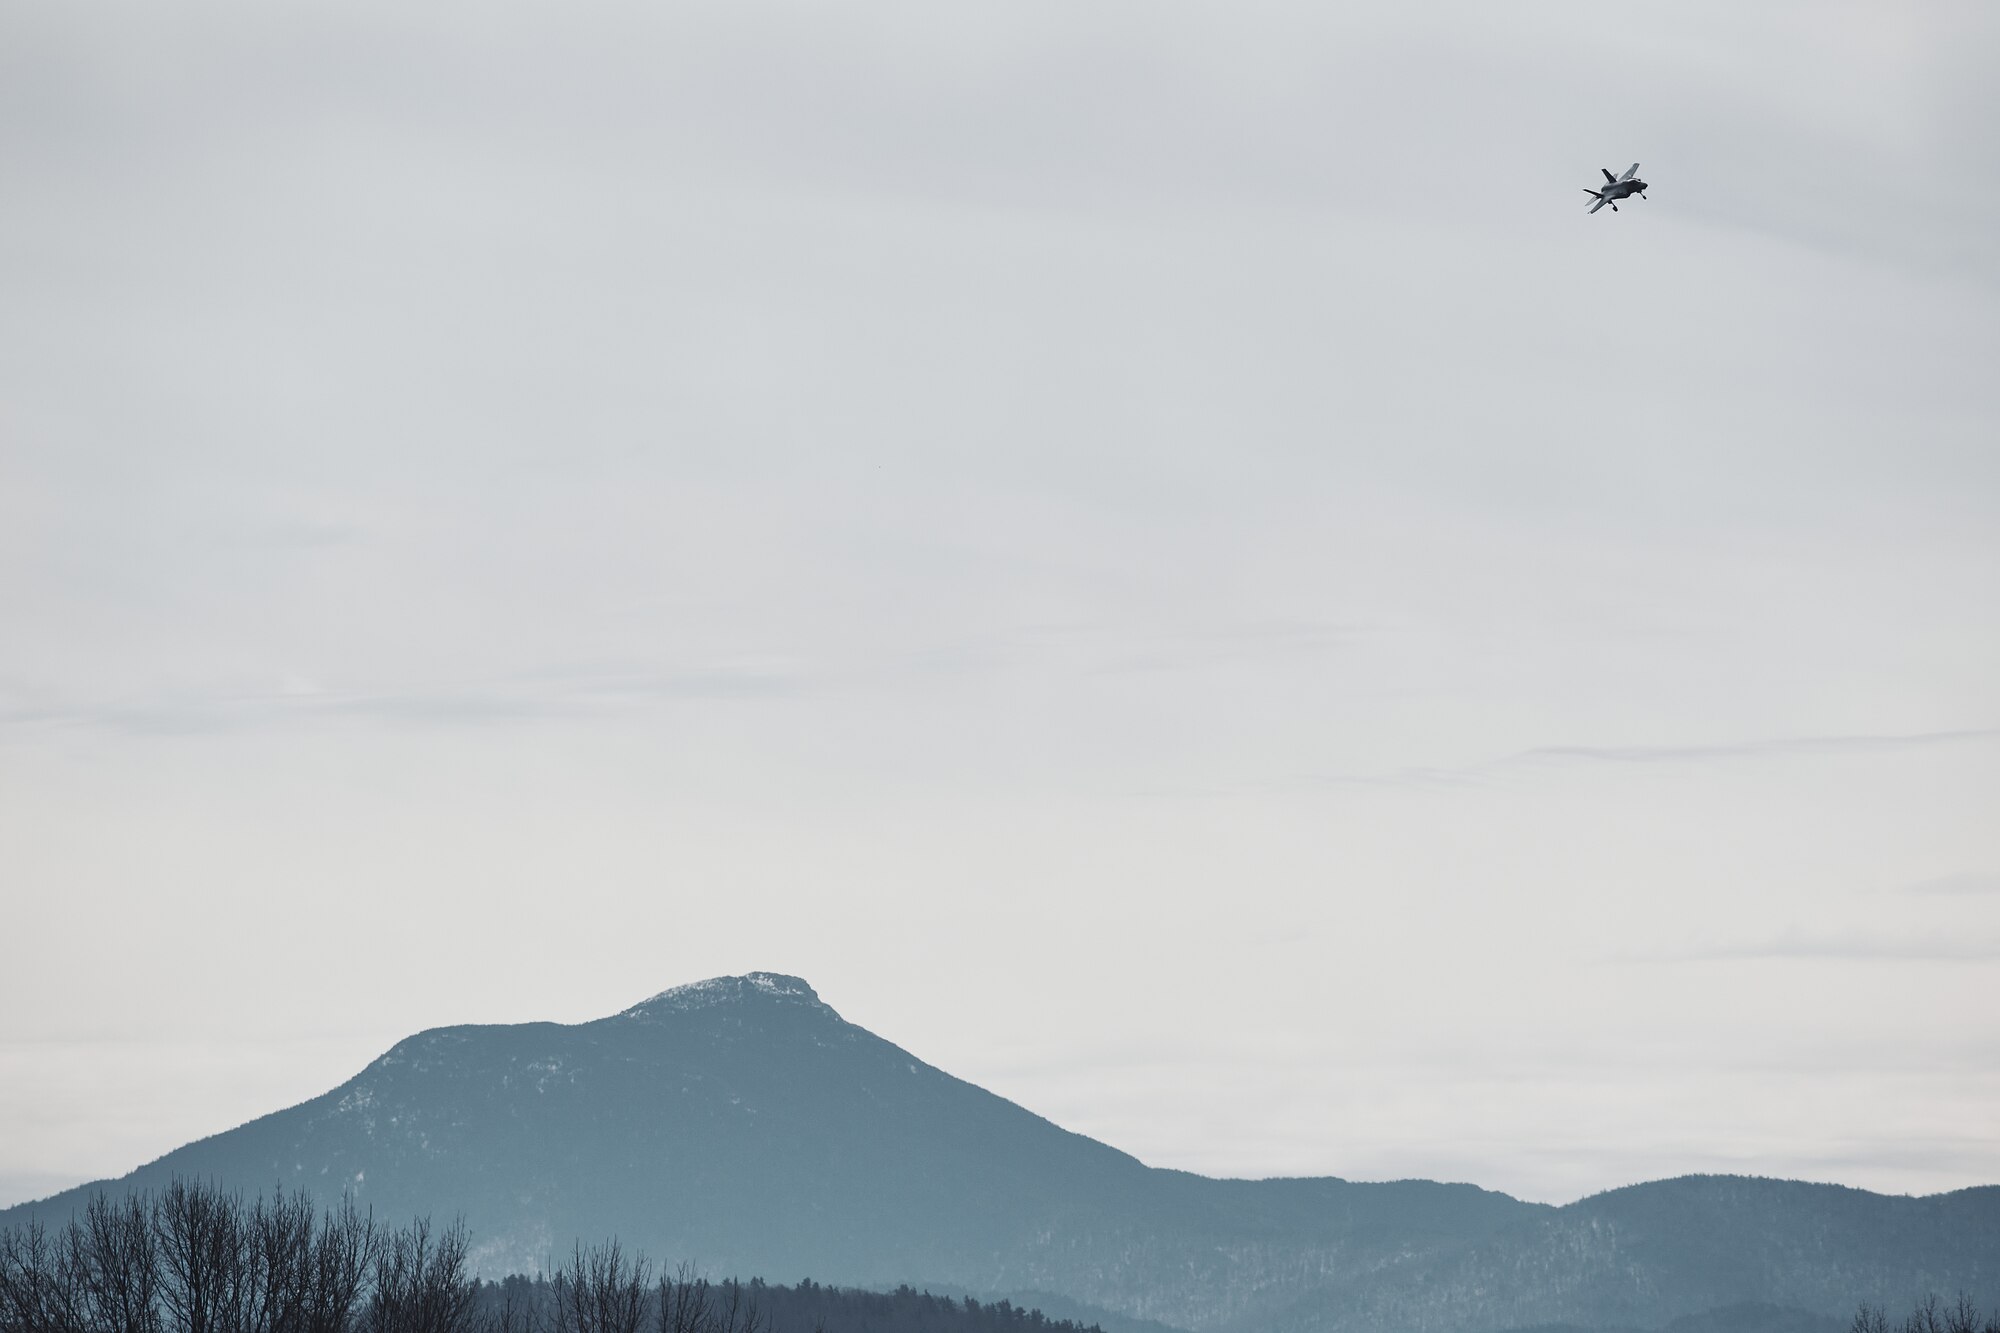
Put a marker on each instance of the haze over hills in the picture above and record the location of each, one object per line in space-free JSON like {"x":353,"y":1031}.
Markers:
{"x":742,"y":1124}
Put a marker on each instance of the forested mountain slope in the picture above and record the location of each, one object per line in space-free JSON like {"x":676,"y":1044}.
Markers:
{"x":741,"y":1124}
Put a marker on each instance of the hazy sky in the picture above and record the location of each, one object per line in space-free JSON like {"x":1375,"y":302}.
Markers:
{"x":1152,"y":552}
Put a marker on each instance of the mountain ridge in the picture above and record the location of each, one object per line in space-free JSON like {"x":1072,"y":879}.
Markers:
{"x":743,"y":1124}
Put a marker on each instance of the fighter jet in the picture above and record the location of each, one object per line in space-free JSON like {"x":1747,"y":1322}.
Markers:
{"x":1618,"y":187}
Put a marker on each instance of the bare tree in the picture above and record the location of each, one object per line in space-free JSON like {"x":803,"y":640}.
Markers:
{"x":34,"y":1284}
{"x":1926,"y":1318}
{"x":423,"y":1282}
{"x":1963,"y":1317}
{"x":342,"y":1256}
{"x":600,"y":1290}
{"x":1869,"y":1319}
{"x":278,"y":1250}
{"x":738,"y":1312}
{"x":684,"y":1305}
{"x":203,"y":1271}
{"x":1931,"y":1315}
{"x":196,"y":1259}
{"x":114,"y":1266}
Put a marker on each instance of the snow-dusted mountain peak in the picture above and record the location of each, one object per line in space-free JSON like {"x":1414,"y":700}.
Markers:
{"x":727,"y":990}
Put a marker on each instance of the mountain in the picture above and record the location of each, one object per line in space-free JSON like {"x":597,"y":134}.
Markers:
{"x":744,"y":1125}
{"x":1729,"y":1248}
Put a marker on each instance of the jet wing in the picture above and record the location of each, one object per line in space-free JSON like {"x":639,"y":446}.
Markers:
{"x":1630,"y":172}
{"x":1599,"y":204}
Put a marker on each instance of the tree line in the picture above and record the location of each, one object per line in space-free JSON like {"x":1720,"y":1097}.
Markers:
{"x":1931,"y":1315}
{"x":195,"y":1258}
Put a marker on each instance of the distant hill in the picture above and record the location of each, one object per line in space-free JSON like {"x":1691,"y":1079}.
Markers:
{"x":1768,"y":1255}
{"x":808,"y":1307}
{"x":742,"y":1124}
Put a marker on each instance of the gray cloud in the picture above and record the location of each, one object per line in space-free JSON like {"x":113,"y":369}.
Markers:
{"x":836,"y":477}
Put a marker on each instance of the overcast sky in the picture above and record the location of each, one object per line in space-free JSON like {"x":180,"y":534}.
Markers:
{"x":1154,"y":553}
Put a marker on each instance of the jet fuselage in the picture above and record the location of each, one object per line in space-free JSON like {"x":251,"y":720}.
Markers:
{"x":1618,"y":187}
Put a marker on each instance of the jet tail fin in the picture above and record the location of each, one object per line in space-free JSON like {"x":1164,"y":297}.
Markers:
{"x":1609,"y":179}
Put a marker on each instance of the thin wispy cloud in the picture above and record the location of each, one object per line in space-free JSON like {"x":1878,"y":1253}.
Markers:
{"x":1418,"y":777}
{"x":588,"y":691}
{"x":579,"y":695}
{"x":1227,"y":644}
{"x":1971,"y":884}
{"x":1761,"y":749}
{"x":1491,"y":770}
{"x":1835,"y":946}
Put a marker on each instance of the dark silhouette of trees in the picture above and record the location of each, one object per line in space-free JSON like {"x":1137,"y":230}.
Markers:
{"x":113,"y":1269}
{"x":811,"y":1308}
{"x":197,"y":1259}
{"x":599,"y":1291}
{"x":1931,"y":1315}
{"x":199,"y":1230}
{"x":423,"y":1282}
{"x":683,"y":1303}
{"x":193,"y":1259}
{"x":342,"y":1254}
{"x":32,"y":1289}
